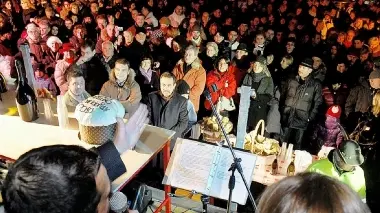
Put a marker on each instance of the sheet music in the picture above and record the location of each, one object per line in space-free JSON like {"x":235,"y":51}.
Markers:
{"x":193,"y":166}
{"x":204,"y":168}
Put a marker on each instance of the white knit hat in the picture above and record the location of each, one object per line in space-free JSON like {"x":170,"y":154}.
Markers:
{"x":53,"y":39}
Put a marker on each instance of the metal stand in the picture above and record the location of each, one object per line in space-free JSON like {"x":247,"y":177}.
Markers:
{"x":205,"y":201}
{"x":236,"y":161}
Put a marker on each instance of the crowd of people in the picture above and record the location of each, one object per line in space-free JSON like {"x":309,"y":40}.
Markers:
{"x":313,"y":65}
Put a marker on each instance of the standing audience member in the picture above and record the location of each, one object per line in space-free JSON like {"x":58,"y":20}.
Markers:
{"x":302,"y":97}
{"x":190,"y":69}
{"x":94,"y":70}
{"x":260,"y":80}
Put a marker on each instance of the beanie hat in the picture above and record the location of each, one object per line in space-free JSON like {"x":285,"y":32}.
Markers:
{"x":183,"y":87}
{"x":334,"y":111}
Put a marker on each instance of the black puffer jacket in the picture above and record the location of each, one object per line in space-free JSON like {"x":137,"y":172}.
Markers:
{"x":301,"y":102}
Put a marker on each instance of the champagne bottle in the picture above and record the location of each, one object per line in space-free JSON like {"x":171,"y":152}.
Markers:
{"x":274,"y":167}
{"x":291,"y":168}
{"x":26,"y":100}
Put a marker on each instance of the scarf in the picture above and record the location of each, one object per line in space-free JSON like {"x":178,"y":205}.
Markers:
{"x":147,"y":74}
{"x":257,"y":77}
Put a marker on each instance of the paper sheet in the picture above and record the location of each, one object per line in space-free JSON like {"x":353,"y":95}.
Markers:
{"x":204,"y":168}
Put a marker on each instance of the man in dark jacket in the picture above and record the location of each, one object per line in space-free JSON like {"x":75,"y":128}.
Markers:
{"x":302,"y":97}
{"x":94,"y":70}
{"x":167,"y":109}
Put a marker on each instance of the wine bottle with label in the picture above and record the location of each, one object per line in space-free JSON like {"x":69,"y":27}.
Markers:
{"x":26,"y":100}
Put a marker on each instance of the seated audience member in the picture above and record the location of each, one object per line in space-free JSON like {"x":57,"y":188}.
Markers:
{"x":310,"y":192}
{"x":62,"y":66}
{"x":343,"y":163}
{"x":122,"y":86}
{"x":168,"y":109}
{"x":43,"y":81}
{"x":94,"y":70}
{"x":184,"y":90}
{"x":76,"y":92}
{"x":62,"y":178}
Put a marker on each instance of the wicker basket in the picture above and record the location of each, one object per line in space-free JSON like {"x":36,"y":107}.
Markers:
{"x":97,"y":135}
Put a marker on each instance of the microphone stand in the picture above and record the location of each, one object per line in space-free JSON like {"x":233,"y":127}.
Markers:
{"x":236,"y":161}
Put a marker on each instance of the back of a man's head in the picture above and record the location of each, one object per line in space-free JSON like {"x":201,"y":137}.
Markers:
{"x":53,"y":179}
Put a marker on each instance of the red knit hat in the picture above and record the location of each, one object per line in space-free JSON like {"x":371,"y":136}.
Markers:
{"x":334,"y":111}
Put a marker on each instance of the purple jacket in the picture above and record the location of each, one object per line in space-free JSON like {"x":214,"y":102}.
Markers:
{"x":328,"y":134}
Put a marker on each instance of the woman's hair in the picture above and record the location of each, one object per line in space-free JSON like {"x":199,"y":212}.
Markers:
{"x":30,"y":5}
{"x":213,"y":45}
{"x":81,"y":27}
{"x":376,"y":104}
{"x":311,"y":193}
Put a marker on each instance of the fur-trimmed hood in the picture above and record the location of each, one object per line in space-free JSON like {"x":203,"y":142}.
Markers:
{"x":195,"y":65}
{"x":130,"y":79}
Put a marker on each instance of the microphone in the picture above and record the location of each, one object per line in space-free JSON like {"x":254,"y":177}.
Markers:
{"x":119,"y":202}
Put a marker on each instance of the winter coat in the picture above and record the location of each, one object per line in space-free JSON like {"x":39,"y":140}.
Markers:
{"x":337,"y":97}
{"x":320,"y":73}
{"x":50,"y":59}
{"x":171,"y":114}
{"x":176,"y":19}
{"x":195,"y":78}
{"x":208,"y":63}
{"x":359,"y":99}
{"x":241,"y":67}
{"x":263,"y":85}
{"x":76,"y":43}
{"x":95,"y":74}
{"x":219,"y":80}
{"x":328,"y":134}
{"x":145,"y":86}
{"x":60,"y":75}
{"x":37,"y":49}
{"x":274,"y":116}
{"x":302,"y":100}
{"x":46,"y":82}
{"x":128,"y":95}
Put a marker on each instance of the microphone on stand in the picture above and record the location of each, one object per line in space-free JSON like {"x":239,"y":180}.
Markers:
{"x":119,"y":202}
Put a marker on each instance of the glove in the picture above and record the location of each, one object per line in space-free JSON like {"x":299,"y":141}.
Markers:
{"x":128,"y":134}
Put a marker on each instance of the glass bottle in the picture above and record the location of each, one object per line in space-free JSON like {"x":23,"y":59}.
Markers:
{"x":26,"y":100}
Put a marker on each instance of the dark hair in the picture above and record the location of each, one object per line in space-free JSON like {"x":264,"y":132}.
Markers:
{"x":74,"y":71}
{"x":310,"y":192}
{"x":149,"y":8}
{"x":53,"y":179}
{"x":88,"y":43}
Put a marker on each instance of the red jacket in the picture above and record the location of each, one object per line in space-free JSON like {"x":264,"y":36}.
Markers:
{"x":219,"y":79}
